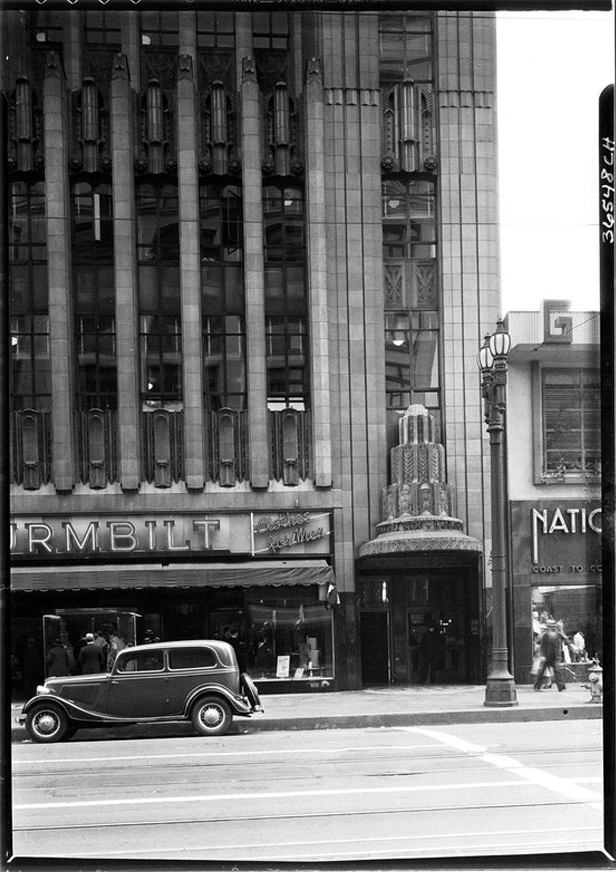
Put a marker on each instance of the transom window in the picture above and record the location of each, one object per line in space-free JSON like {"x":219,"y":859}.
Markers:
{"x":405,"y":43}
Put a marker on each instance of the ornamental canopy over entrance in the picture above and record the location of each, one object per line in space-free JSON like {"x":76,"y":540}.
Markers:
{"x":419,"y":527}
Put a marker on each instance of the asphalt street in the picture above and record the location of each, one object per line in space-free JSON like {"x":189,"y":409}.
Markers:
{"x":333,"y":795}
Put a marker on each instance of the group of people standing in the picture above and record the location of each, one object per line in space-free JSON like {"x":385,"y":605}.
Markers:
{"x":96,"y":655}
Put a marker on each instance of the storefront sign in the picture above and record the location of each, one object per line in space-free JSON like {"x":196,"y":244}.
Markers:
{"x":560,"y":541}
{"x":565,"y":520}
{"x":246,"y":533}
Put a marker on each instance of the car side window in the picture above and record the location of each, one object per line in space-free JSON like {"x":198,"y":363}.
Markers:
{"x":191,"y":658}
{"x":141,"y":661}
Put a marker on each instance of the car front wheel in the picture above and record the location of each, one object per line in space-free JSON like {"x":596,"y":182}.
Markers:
{"x":47,"y":723}
{"x":211,"y":716}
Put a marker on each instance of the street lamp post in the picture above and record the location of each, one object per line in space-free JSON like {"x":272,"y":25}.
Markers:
{"x":500,"y":686}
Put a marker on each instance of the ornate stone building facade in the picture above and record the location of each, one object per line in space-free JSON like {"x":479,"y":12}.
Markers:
{"x":242,"y":245}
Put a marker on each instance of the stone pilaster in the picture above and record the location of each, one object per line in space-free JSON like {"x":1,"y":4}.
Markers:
{"x":73,"y":30}
{"x":253,"y":275}
{"x":190,"y":274}
{"x":127,"y":310}
{"x":131,"y":45}
{"x":317,"y":277}
{"x":469,"y":244}
{"x":57,"y":193}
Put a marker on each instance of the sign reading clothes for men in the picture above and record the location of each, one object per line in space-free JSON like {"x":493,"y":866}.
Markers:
{"x":559,"y":540}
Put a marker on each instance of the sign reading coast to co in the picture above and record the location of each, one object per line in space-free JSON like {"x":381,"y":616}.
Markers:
{"x":251,"y":532}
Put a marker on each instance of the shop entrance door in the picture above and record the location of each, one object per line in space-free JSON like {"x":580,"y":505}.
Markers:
{"x":374,"y":634}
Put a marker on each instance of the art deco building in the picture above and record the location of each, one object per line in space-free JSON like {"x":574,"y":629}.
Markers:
{"x":252,"y":257}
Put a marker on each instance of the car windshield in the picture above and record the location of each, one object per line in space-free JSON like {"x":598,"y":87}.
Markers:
{"x":140,"y":661}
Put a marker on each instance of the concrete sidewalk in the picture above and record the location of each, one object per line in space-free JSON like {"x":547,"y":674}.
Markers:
{"x":378,"y":707}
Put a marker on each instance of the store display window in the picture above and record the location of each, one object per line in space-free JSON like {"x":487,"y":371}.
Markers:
{"x":282,"y":634}
{"x":577,"y":612}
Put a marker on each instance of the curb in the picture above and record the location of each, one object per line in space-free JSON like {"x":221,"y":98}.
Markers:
{"x":258,"y":724}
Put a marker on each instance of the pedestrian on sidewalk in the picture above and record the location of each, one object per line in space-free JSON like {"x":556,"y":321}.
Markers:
{"x":57,"y":659}
{"x":90,"y":659}
{"x":550,"y":651}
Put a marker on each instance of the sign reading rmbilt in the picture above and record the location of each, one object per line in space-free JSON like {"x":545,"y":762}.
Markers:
{"x":252,"y":533}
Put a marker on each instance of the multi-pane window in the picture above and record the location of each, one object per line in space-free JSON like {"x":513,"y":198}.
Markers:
{"x":221,"y":226}
{"x":283,"y":216}
{"x":222,"y":283}
{"x":29,"y":308}
{"x":159,"y":294}
{"x":215,"y":29}
{"x":92,"y":223}
{"x":405,"y":45}
{"x":159,"y":28}
{"x":94,"y":296}
{"x":285,"y":298}
{"x":270,"y":30}
{"x":409,"y":209}
{"x":411,"y":293}
{"x":224,"y":337}
{"x":48,"y":27}
{"x":571,"y":421}
{"x":411,"y":359}
{"x":103,"y":28}
{"x":157,"y":223}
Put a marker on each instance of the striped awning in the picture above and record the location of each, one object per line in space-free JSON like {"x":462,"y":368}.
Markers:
{"x":140,"y":576}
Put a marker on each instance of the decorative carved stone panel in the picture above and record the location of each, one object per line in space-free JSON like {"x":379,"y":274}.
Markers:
{"x":30,"y":446}
{"x":162,"y":442}
{"x":290,"y":446}
{"x":226,"y":446}
{"x":25,"y":128}
{"x":98,"y":447}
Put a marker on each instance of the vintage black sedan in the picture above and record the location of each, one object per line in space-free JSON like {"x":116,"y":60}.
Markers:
{"x":196,"y":680}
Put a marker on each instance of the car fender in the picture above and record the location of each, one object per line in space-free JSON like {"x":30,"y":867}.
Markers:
{"x":238,"y":704}
{"x":73,"y":711}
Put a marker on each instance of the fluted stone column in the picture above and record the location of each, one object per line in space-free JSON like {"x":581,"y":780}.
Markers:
{"x":317,"y":277}
{"x":57,"y":192}
{"x":126,"y":280}
{"x":190,"y":274}
{"x":253,"y":276}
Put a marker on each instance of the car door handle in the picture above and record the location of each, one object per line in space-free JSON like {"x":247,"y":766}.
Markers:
{"x":115,"y":681}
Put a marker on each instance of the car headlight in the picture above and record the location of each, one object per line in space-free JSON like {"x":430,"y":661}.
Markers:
{"x":42,"y":689}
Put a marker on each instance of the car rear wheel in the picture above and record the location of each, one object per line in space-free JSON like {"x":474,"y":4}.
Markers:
{"x":211,"y":716}
{"x":47,"y":723}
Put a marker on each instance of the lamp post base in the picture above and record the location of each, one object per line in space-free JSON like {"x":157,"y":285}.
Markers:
{"x":500,"y":692}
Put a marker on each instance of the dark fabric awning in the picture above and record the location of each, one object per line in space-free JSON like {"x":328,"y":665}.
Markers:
{"x":141,"y":576}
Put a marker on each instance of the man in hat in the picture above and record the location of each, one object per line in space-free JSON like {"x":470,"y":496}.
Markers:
{"x":57,"y":659}
{"x":90,"y":658}
{"x":550,"y":651}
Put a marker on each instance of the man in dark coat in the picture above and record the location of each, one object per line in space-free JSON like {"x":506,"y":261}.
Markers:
{"x":90,"y":658}
{"x":57,"y":659}
{"x":550,"y":651}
